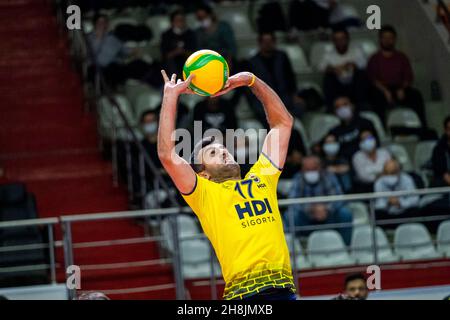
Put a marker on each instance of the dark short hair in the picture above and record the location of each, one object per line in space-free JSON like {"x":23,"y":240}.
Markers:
{"x":98,"y":16}
{"x":199,"y":167}
{"x":265,"y":33}
{"x":205,"y":7}
{"x":387,"y":29}
{"x":446,"y":121}
{"x":341,"y":30}
{"x":147,"y":112}
{"x":353,"y":277}
{"x":177,"y":12}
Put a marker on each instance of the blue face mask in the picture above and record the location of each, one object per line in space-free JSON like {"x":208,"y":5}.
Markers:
{"x":331,"y":148}
{"x":368,"y":144}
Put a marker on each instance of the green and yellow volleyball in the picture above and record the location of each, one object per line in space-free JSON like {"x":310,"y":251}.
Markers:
{"x":210,"y":70}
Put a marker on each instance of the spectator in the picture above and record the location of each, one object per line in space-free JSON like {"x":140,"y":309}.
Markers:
{"x":335,"y":163}
{"x":273,"y":66}
{"x":312,"y":181}
{"x":108,"y":50}
{"x":369,"y":162}
{"x":441,"y":158}
{"x":214,"y":34}
{"x":177,"y":44}
{"x":348,"y":132}
{"x":393,"y":179}
{"x":92,"y":296}
{"x":355,"y":288}
{"x":217,"y":113}
{"x":392,"y":76}
{"x":344,"y":68}
{"x":296,"y":152}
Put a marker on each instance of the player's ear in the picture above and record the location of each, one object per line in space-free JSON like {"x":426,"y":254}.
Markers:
{"x":204,"y":174}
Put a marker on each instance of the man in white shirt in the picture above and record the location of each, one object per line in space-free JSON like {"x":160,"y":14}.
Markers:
{"x":393,"y":179}
{"x":344,"y":67}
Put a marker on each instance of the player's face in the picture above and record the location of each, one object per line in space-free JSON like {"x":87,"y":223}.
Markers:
{"x":218,"y":162}
{"x":357,"y":289}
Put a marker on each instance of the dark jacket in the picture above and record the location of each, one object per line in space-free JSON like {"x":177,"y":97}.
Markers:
{"x":348,"y":135}
{"x":441,"y":161}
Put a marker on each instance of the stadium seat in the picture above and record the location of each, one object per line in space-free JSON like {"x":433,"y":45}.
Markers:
{"x":299,"y":127}
{"x":399,"y":152}
{"x":413,"y":242}
{"x":327,"y":249}
{"x":158,"y":24}
{"x":187,"y":227}
{"x":150,"y":100}
{"x":403,"y":117}
{"x":113,"y":23}
{"x":297,"y":57}
{"x":423,"y":153}
{"x":240,"y":23}
{"x":368,"y":46}
{"x":362,"y":250}
{"x":247,"y":49}
{"x":373,"y":117}
{"x":443,"y":238}
{"x":320,"y":125}
{"x":109,"y":117}
{"x":301,"y":262}
{"x":318,"y":51}
{"x":359,"y":212}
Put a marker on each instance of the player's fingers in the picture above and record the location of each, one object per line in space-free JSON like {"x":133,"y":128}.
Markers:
{"x":189,"y":79}
{"x":164,"y":74}
{"x":174,"y":77}
{"x":179,"y":81}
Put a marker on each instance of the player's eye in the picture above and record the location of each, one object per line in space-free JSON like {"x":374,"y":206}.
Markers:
{"x":213,"y":152}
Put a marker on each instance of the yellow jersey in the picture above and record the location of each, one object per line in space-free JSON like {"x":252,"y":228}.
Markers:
{"x":242,"y":220}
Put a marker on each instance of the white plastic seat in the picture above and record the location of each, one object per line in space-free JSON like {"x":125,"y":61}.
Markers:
{"x":318,"y":52}
{"x":362,"y":242}
{"x":400,"y":153}
{"x":297,"y":57}
{"x":239,"y":22}
{"x":320,"y":125}
{"x":300,"y":128}
{"x":403,"y":117}
{"x":443,"y":238}
{"x":327,"y":249}
{"x":301,"y":262}
{"x":187,"y":227}
{"x":373,"y":117}
{"x":158,"y":25}
{"x":423,"y":153}
{"x":284,"y":186}
{"x":368,"y":46}
{"x":110,"y":117}
{"x":122,"y":20}
{"x":359,"y":212}
{"x":149,"y":100}
{"x":413,"y":242}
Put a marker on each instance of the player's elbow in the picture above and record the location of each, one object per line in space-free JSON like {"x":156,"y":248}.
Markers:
{"x":289,"y":121}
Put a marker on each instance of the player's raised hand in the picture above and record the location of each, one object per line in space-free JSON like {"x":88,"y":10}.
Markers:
{"x":177,"y":87}
{"x":240,"y":79}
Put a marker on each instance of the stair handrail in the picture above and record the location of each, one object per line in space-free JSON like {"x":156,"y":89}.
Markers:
{"x":62,"y":6}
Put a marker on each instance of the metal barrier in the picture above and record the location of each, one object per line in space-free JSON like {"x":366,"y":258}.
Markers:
{"x":49,"y":223}
{"x":175,"y":260}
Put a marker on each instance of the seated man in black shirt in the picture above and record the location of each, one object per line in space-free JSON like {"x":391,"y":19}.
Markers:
{"x":348,"y":132}
{"x":217,"y":113}
{"x":177,"y":44}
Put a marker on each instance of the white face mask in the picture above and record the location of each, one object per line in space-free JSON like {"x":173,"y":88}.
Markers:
{"x":391,"y":180}
{"x":206,"y":23}
{"x":178,"y":31}
{"x":368,"y":144}
{"x":312,"y":177}
{"x":345,"y":112}
{"x":331,"y":148}
{"x":150,"y":128}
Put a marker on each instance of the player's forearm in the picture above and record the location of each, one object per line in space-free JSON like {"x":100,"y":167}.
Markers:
{"x":276,"y":112}
{"x":166,"y":145}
